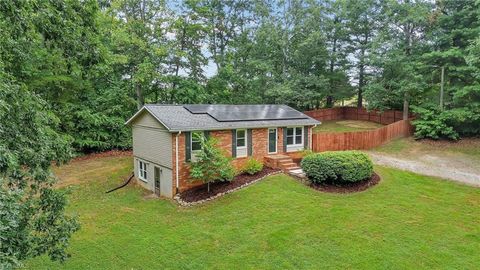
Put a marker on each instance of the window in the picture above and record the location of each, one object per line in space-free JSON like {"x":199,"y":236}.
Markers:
{"x":298,"y":135}
{"x":241,"y":143}
{"x":196,"y":145}
{"x":142,"y":170}
{"x":290,"y":135}
{"x":295,"y":136}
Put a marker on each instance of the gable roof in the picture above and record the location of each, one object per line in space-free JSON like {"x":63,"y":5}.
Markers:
{"x":215,"y":117}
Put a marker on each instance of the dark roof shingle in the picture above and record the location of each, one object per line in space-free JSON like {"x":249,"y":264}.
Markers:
{"x":203,"y":117}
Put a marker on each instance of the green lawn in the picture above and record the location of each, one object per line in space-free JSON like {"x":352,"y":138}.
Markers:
{"x":346,"y":126}
{"x":406,"y":222}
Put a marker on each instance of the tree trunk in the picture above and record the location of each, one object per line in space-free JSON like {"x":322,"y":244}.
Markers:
{"x":360,"y":98}
{"x":361,"y":77}
{"x":329,"y":101}
{"x":139,"y":93}
{"x":405,"y":106}
{"x":360,"y":87}
{"x":332,"y":67}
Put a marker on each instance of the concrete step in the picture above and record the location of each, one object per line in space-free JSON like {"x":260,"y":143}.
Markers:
{"x":297,"y":172}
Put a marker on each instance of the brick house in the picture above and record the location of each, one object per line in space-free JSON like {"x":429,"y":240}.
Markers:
{"x":164,"y":143}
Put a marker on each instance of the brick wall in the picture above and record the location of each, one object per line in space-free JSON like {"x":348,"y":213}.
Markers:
{"x":224,"y":137}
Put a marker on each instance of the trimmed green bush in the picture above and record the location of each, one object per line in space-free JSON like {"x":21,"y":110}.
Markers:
{"x":252,"y":166}
{"x":337,"y":167}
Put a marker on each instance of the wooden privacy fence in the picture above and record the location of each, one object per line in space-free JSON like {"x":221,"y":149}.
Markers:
{"x":353,"y":113}
{"x":336,"y":141}
{"x":355,"y":140}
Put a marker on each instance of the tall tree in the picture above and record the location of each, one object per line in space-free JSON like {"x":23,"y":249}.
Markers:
{"x":362,"y":22}
{"x":398,"y":49}
{"x":332,"y":16}
{"x":141,"y":39}
{"x":456,"y":27}
{"x":32,"y":213}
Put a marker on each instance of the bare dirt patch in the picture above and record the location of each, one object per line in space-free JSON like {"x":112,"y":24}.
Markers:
{"x":346,"y":126}
{"x":111,"y":153}
{"x":440,"y":166}
{"x":79,"y":171}
{"x":359,"y":124}
{"x":457,"y":161}
{"x":348,"y":187}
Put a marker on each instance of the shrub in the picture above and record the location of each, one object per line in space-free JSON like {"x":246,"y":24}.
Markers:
{"x":211,"y":164}
{"x":252,"y":166}
{"x":337,"y":167}
{"x":434,"y":124}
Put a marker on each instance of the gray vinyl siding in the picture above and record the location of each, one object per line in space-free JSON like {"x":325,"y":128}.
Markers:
{"x":151,"y":141}
{"x":152,"y":144}
{"x":145,"y":119}
{"x":165,"y":177}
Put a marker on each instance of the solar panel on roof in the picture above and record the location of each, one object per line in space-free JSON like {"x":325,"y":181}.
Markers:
{"x":197,"y":108}
{"x":229,"y":113}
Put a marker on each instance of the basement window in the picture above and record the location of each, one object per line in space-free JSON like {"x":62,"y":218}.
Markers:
{"x":142,"y":171}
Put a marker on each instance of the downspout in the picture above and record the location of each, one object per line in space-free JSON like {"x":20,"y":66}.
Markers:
{"x":311,"y":136}
{"x":176,"y":161}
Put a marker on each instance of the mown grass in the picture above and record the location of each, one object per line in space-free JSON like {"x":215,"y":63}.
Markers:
{"x":346,"y":126}
{"x":408,"y":221}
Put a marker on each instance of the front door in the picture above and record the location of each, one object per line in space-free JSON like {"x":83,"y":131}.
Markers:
{"x":156,"y":180}
{"x":272,"y":140}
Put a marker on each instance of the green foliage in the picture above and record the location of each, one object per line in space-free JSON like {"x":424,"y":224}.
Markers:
{"x":32,"y":213}
{"x":433,"y":124}
{"x":337,"y":167}
{"x":252,"y":166}
{"x":269,"y":208}
{"x":210,"y":163}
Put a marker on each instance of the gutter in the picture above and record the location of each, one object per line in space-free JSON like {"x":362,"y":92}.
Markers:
{"x":176,"y":161}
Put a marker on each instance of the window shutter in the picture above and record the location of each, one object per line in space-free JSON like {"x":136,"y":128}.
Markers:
{"x":284,"y":139}
{"x":206,"y":134}
{"x":234,"y":143}
{"x":249,"y":142}
{"x":305,"y":137}
{"x":188,"y":144}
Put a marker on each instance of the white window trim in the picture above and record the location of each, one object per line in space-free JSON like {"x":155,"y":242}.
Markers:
{"x":241,"y":147}
{"x":295,"y":135}
{"x":191,"y":141}
{"x":140,"y":171}
{"x":276,"y":140}
{"x":194,"y":153}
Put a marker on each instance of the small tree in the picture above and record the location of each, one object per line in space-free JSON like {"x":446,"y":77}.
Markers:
{"x":210,"y":163}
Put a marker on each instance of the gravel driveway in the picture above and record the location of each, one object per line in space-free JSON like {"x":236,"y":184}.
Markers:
{"x":457,"y":169}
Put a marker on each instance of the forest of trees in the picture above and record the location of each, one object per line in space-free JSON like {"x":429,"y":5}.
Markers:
{"x":94,"y":63}
{"x":72,"y":72}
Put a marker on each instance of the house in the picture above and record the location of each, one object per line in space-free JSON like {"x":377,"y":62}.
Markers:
{"x":164,"y":143}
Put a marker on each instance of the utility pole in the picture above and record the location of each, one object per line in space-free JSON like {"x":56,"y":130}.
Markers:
{"x":441,"y":88}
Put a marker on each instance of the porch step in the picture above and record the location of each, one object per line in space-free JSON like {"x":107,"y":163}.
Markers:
{"x":289,"y":166}
{"x":282,"y":162}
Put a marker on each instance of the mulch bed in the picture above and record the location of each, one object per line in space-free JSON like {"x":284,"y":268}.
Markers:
{"x":200,"y":193}
{"x":348,"y":187}
{"x":111,"y":153}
